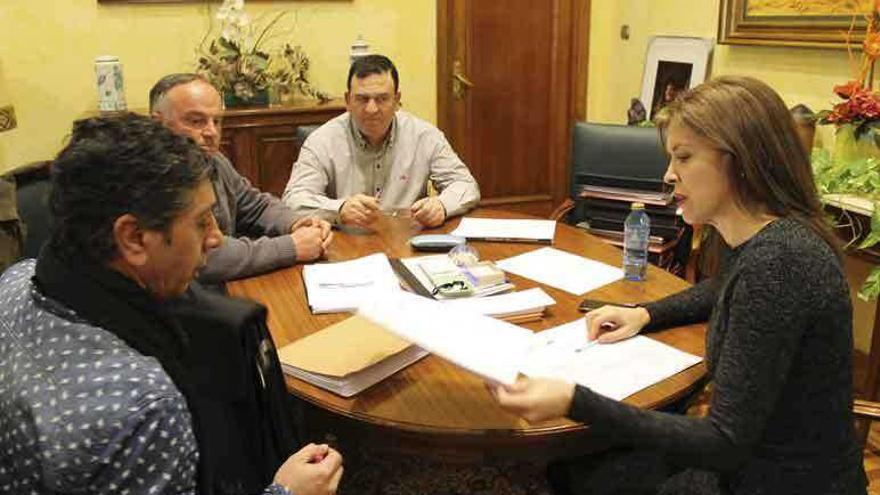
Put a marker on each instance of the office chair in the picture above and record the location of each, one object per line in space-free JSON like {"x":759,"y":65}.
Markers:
{"x":303,"y":131}
{"x":615,"y":155}
{"x":629,"y":154}
{"x":622,"y":157}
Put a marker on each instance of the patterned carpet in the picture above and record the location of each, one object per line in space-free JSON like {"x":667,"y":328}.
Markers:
{"x":368,"y":475}
{"x":872,"y":459}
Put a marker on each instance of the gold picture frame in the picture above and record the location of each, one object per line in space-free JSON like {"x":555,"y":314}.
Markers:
{"x":803,"y":23}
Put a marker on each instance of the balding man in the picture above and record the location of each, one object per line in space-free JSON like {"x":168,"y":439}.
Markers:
{"x":260,"y":232}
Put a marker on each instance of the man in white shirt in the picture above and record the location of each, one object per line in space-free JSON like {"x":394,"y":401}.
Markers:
{"x":377,"y":158}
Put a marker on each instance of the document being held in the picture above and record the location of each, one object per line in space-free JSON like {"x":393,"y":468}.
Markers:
{"x":499,"y":351}
{"x":491,"y":348}
{"x":341,"y":287}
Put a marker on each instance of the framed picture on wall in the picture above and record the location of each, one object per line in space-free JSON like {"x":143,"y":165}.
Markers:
{"x":793,"y":22}
{"x":673,"y":64}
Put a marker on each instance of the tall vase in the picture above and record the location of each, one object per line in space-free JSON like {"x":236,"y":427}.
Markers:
{"x":848,"y":147}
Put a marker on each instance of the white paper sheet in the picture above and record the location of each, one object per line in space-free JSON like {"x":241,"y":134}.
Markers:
{"x":494,"y":229}
{"x":569,"y":272}
{"x":614,"y":370}
{"x":343,"y":286}
{"x":514,"y":303}
{"x":491,"y":348}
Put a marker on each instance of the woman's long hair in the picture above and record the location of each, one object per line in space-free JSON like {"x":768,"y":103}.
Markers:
{"x":770,"y":171}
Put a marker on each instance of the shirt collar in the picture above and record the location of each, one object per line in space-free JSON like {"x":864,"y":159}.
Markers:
{"x":364,"y":145}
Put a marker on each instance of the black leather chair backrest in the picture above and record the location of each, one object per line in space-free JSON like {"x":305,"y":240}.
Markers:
{"x":33,"y":188}
{"x":303,"y":131}
{"x":617,"y":155}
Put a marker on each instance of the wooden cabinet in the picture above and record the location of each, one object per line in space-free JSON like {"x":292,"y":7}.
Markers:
{"x":262,"y":143}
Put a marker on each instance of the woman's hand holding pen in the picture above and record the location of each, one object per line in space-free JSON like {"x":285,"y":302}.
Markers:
{"x":613,"y":323}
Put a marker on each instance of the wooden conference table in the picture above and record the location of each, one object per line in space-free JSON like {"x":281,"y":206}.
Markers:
{"x":434,"y":407}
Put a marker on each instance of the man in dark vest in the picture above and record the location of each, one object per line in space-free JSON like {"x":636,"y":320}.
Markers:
{"x":98,"y":393}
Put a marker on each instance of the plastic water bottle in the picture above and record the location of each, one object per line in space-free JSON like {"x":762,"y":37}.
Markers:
{"x":636,"y":233}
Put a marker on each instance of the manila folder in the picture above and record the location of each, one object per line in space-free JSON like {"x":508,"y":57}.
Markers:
{"x":342,"y":348}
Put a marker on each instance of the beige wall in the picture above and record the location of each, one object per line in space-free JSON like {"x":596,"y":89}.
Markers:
{"x":48,"y":47}
{"x":799,"y":75}
{"x":47,"y":51}
{"x":615,"y":76}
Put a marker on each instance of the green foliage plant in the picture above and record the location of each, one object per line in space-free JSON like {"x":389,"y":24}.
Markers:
{"x":237,"y":62}
{"x":859,"y":177}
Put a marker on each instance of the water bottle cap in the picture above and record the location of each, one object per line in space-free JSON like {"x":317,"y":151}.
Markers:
{"x":637,"y":206}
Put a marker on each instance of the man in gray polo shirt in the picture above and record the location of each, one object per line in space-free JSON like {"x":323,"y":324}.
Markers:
{"x":377,"y":158}
{"x":260,"y":233}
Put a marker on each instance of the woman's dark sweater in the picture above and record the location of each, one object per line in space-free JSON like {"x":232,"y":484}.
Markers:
{"x":779,"y":351}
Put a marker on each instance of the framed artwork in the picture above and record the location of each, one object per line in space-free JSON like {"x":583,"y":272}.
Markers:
{"x":816,"y":23}
{"x":673,"y":64}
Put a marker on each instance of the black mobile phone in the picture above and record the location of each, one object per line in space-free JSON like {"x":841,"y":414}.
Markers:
{"x":590,"y":304}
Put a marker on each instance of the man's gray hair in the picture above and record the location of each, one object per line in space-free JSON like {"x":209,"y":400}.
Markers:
{"x":164,"y":85}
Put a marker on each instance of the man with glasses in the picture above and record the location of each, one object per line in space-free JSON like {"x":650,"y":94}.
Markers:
{"x":377,"y":158}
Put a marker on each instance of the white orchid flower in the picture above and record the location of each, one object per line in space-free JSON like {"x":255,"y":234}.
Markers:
{"x":230,"y":10}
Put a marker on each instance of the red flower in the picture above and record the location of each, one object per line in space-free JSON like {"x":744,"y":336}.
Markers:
{"x":848,"y":89}
{"x":862,"y":105}
{"x":866,"y":105}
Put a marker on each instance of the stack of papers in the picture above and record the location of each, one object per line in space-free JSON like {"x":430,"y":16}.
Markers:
{"x":660,"y":198}
{"x":516,"y":307}
{"x":565,"y":271}
{"x":348,"y":357}
{"x":341,"y":287}
{"x":494,"y":229}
